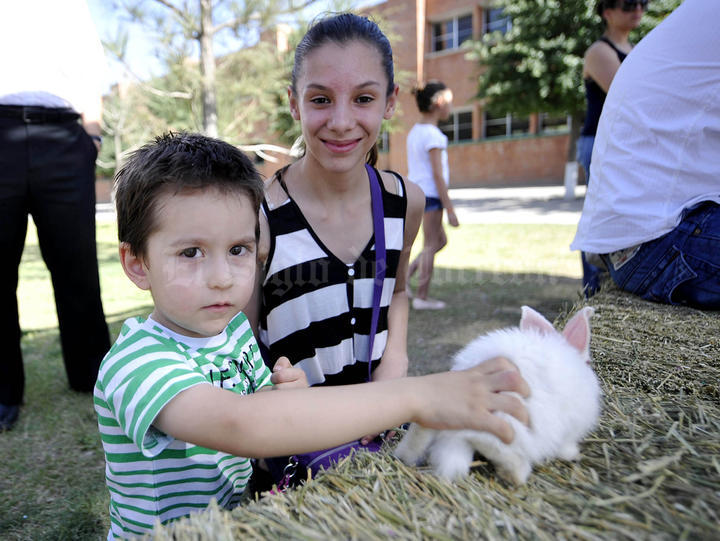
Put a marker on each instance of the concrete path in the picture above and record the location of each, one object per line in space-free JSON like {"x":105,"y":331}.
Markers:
{"x":105,"y":212}
{"x":527,"y":205}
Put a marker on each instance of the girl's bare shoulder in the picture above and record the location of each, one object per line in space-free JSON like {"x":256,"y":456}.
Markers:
{"x":599,"y":50}
{"x":275,"y":194}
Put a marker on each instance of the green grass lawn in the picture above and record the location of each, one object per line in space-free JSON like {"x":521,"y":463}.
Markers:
{"x":52,"y":472}
{"x":485,"y":274}
{"x":35,"y":293}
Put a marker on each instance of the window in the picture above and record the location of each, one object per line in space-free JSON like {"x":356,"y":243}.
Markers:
{"x":495,"y":125}
{"x":519,"y":125}
{"x":553,"y":123}
{"x":504,"y":125}
{"x":450,"y":34}
{"x":458,"y":126}
{"x":495,"y":20}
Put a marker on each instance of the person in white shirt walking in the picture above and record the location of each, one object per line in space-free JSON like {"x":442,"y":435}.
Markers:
{"x":428,"y":168}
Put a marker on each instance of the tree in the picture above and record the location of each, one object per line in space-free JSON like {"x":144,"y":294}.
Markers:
{"x":537,"y":65}
{"x":247,"y":74}
{"x":250,"y":78}
{"x":192,"y":29}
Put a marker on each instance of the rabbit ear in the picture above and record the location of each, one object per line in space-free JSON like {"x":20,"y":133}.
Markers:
{"x":531,"y":319}
{"x":577,"y":331}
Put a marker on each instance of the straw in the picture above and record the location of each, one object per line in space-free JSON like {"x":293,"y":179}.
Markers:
{"x":651,"y":469}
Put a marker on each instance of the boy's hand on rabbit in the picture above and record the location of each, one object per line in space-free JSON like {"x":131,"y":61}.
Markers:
{"x":470,"y":397}
{"x":287,"y":376}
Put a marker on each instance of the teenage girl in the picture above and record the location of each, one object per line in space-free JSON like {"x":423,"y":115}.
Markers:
{"x":602,"y":60}
{"x":317,"y":241}
{"x":428,"y":168}
{"x":314,"y":299}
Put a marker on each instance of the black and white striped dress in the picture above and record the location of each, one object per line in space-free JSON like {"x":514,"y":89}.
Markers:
{"x":316,"y":309}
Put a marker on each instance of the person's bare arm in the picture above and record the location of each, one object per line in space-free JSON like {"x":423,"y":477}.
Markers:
{"x":601,"y":64}
{"x":302,"y":420}
{"x":394,"y":362}
{"x":442,"y":189}
{"x":92,"y":121}
{"x":252,"y":310}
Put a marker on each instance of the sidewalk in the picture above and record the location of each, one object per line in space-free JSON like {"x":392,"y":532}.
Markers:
{"x":105,"y":212}
{"x":529,"y":205}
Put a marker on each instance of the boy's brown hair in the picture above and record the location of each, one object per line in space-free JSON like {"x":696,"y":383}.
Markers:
{"x":175,"y":163}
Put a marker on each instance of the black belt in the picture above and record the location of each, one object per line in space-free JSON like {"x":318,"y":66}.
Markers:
{"x":38,"y":115}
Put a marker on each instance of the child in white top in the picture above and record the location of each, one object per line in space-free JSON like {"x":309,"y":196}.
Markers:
{"x":428,"y":168}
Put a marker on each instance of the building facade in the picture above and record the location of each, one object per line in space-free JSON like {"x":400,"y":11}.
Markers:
{"x":486,"y":148}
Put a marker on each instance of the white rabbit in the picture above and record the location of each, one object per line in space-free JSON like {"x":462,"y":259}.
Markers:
{"x":564,"y":404}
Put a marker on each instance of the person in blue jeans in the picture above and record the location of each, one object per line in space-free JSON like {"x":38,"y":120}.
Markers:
{"x":652,"y":210}
{"x":601,"y":62}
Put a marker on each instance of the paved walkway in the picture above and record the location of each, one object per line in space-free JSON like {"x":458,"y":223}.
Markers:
{"x":528,"y":205}
{"x":105,"y":212}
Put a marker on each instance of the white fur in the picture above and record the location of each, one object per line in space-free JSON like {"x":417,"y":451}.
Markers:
{"x":564,"y":404}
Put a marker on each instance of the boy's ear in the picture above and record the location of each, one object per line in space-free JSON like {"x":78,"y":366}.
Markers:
{"x":133,"y":267}
{"x":391,"y":103}
{"x":293,"y":104}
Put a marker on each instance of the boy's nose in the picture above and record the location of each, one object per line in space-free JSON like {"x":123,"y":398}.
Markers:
{"x":219,"y":274}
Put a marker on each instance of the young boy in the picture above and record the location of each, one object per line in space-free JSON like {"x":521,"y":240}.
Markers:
{"x":177,"y":395}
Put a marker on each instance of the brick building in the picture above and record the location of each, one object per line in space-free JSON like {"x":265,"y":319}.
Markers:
{"x":486,"y":148}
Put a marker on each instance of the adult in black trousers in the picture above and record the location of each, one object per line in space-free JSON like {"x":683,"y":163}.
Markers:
{"x":47,"y":170}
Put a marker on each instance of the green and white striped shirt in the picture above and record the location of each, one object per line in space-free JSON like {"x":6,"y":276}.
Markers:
{"x":152,"y":476}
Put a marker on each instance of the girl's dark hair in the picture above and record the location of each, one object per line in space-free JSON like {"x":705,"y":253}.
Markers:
{"x":340,"y":29}
{"x":426,"y":96}
{"x":178,"y":163}
{"x":602,"y":5}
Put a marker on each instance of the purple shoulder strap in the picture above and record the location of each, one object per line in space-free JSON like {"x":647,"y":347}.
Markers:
{"x":380,"y":261}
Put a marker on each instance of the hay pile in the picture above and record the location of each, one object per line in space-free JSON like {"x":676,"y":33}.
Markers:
{"x":651,"y":470}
